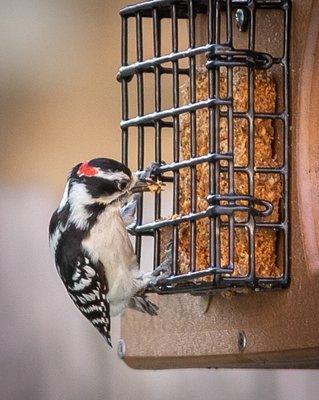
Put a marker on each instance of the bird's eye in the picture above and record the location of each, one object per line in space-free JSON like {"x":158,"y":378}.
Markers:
{"x":121,"y":185}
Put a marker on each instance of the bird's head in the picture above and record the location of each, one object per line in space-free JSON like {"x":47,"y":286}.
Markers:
{"x":101,"y":180}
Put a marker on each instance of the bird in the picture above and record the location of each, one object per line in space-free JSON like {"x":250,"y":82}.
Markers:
{"x":91,"y":247}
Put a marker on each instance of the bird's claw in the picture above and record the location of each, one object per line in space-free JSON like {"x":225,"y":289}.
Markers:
{"x":163,"y":271}
{"x":151,"y":173}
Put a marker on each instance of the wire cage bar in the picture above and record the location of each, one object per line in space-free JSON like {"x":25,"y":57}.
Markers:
{"x":220,"y":53}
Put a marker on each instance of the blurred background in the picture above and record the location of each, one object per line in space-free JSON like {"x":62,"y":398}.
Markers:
{"x":59,"y":105}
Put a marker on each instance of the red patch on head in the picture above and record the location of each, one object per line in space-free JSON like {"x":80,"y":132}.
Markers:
{"x":87,"y":170}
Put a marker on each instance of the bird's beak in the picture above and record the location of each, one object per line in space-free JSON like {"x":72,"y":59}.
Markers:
{"x":147,"y":181}
{"x":143,"y":182}
{"x":140,"y":186}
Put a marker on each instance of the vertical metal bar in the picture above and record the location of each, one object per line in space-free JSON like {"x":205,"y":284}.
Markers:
{"x":211,"y":127}
{"x":230,"y":138}
{"x":192,"y":75}
{"x":216,"y":189}
{"x":140,"y":132}
{"x":251,"y":138}
{"x":157,"y":78}
{"x":124,"y":89}
{"x":176,"y":138}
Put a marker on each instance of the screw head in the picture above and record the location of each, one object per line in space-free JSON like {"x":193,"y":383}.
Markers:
{"x":121,"y":349}
{"x":241,"y":17}
{"x":241,"y":340}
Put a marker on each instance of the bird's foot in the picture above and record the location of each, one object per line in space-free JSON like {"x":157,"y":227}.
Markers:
{"x":151,"y":173}
{"x":164,"y":270}
{"x":143,"y":304}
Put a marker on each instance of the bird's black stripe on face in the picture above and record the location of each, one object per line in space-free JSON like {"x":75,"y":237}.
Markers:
{"x":98,"y":187}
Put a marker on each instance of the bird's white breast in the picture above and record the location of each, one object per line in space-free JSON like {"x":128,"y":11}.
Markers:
{"x":110,"y":244}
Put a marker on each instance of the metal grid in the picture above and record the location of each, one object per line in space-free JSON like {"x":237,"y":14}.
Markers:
{"x":218,"y":55}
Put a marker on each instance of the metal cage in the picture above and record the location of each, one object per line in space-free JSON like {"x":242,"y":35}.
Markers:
{"x":220,"y":52}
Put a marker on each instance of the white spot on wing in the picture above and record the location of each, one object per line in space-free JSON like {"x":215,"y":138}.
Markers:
{"x":83,"y":301}
{"x":81,"y":285}
{"x":54,"y":239}
{"x":89,"y":297}
{"x":89,"y":271}
{"x":97,"y":321}
{"x":76,"y":275}
{"x":90,"y":309}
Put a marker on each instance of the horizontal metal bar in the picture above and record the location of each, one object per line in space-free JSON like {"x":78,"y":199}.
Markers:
{"x":151,"y":4}
{"x":147,"y":6}
{"x":224,"y":56}
{"x":232,"y":207}
{"x":149,"y":228}
{"x":197,"y":274}
{"x":211,"y":211}
{"x":212,"y":288}
{"x":130,"y":70}
{"x":186,"y":284}
{"x":265,"y":170}
{"x":262,"y":225}
{"x":212,"y":157}
{"x":218,"y":55}
{"x":156,"y":116}
{"x":145,"y":228}
{"x":175,"y":166}
{"x":247,"y":115}
{"x":162,"y":71}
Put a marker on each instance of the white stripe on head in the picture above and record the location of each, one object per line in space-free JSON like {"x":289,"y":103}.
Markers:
{"x":112,"y":175}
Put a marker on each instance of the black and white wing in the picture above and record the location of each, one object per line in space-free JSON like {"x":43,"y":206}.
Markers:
{"x":87,"y":287}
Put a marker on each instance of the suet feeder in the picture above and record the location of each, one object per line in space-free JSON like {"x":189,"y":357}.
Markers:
{"x":236,"y":218}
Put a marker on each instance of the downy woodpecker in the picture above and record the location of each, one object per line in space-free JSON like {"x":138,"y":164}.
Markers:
{"x":92,"y":250}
